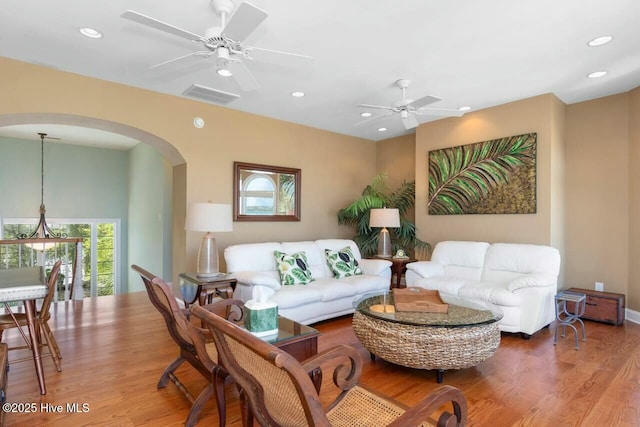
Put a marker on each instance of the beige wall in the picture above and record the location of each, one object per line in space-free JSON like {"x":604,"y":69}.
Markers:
{"x":530,"y":115}
{"x":597,"y":196}
{"x":633,"y":295}
{"x":335,"y":167}
{"x":397,"y":158}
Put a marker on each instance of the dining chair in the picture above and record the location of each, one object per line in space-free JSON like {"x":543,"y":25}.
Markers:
{"x":18,"y":320}
{"x":276,"y":390}
{"x":178,"y":325}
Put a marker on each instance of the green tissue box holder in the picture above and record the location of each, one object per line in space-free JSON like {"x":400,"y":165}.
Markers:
{"x":263,"y":320}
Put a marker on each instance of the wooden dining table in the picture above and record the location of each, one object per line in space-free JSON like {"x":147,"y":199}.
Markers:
{"x":26,"y":284}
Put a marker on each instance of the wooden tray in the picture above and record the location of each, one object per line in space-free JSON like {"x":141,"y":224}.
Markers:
{"x":419,"y":299}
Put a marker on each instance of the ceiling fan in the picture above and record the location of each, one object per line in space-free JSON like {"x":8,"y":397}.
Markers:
{"x":408,"y":109}
{"x":225,"y":42}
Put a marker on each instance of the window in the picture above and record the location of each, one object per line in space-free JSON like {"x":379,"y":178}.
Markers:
{"x":99,"y":257}
{"x":258,"y":195}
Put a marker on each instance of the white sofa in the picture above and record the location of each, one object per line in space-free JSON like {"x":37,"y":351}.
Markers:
{"x":324,"y":298}
{"x":520,"y":279}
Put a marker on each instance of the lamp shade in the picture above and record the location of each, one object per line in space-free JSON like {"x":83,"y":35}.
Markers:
{"x":209,"y":217}
{"x":384,"y":218}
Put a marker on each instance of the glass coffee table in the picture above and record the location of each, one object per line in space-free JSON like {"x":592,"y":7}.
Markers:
{"x":464,"y":336}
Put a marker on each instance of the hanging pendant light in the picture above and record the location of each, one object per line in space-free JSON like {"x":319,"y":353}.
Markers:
{"x":42,"y":230}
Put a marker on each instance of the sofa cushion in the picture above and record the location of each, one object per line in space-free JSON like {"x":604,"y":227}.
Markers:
{"x":492,"y":292}
{"x":333,"y":289}
{"x":251,"y":257}
{"x":461,"y":259}
{"x":315,"y":256}
{"x":296,"y":295}
{"x":507,"y":261}
{"x":365,"y":283}
{"x":342,"y":263}
{"x":445,"y":284}
{"x":293,"y":268}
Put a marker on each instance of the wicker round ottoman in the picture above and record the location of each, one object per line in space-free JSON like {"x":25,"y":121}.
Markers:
{"x":428,"y":340}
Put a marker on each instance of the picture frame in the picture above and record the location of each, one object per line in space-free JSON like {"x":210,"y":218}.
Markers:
{"x":265,"y":192}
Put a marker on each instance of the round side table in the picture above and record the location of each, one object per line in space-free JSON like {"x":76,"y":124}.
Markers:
{"x":398,"y":268}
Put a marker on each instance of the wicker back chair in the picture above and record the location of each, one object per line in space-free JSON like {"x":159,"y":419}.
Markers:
{"x":19,"y":320}
{"x":276,"y":389}
{"x":180,"y":329}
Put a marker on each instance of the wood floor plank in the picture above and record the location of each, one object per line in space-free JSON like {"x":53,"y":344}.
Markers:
{"x":115,"y":348}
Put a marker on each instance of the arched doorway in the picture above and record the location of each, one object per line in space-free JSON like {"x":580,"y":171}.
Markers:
{"x":142,"y":234}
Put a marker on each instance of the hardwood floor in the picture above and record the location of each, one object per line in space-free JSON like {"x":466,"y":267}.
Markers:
{"x":115,"y":348}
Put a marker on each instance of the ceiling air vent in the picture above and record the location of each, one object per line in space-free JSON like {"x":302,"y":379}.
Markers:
{"x":210,"y":95}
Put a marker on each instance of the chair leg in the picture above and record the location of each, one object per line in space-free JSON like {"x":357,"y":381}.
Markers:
{"x":52,"y":340}
{"x":198,"y":404}
{"x":165,"y":377}
{"x":47,"y":341}
{"x":245,"y":410}
{"x":219,"y":376}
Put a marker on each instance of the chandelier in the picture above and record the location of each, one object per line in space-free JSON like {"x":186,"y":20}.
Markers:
{"x":42,"y":230}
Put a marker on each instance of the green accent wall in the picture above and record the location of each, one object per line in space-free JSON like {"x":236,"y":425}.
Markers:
{"x":150,"y":195}
{"x":95,"y":183}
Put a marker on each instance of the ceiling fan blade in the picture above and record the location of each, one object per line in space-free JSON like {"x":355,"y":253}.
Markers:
{"x":199,"y":53}
{"x":381,"y":107}
{"x":244,"y":21}
{"x":424,"y":101}
{"x":243,"y":76}
{"x":159,"y":25}
{"x":410,"y":122}
{"x":441,"y":112}
{"x":280,"y":57}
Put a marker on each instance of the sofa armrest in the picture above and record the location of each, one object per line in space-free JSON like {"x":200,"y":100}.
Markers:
{"x":532,"y":281}
{"x":426,"y":268}
{"x":258,"y":278}
{"x":375,"y":267}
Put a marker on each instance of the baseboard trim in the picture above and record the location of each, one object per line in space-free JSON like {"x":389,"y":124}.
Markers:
{"x":632,"y":315}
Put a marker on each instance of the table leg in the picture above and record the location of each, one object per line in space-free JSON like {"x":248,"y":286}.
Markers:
{"x":30,"y":309}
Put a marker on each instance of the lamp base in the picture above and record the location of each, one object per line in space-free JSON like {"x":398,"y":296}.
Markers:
{"x":384,"y":244}
{"x":207,"y":257}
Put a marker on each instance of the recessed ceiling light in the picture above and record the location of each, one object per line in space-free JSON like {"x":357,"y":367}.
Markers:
{"x":365,"y":114}
{"x":465,"y":108}
{"x":91,"y":33}
{"x":224,"y":72}
{"x":382,"y":129}
{"x":297,"y":94}
{"x":596,"y":74}
{"x":599,"y":41}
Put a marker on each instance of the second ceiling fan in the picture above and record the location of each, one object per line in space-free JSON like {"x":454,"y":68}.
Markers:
{"x":408,"y":109}
{"x":225,"y":42}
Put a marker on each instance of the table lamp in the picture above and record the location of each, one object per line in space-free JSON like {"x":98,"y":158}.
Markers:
{"x":384,"y":218}
{"x":208,"y":217}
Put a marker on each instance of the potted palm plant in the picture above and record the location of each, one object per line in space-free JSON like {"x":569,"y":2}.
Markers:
{"x":377,"y":195}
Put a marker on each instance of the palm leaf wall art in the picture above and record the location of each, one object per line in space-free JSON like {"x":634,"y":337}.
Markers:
{"x":490,"y":177}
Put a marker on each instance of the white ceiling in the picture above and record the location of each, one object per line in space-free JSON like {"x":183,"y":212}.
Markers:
{"x":467,"y":52}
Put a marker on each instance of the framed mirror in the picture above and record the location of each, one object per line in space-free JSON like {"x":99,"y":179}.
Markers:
{"x":265,"y":193}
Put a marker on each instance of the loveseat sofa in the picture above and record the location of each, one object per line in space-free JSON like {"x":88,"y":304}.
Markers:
{"x":519,"y":279}
{"x":326,"y":295}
